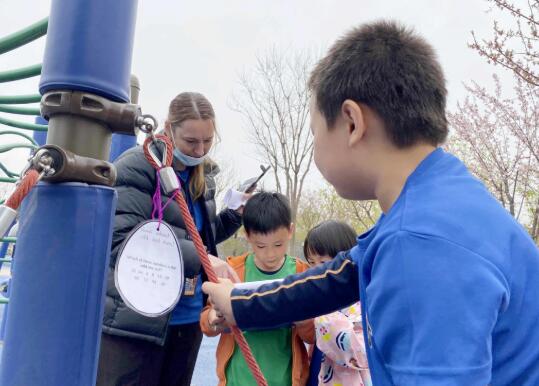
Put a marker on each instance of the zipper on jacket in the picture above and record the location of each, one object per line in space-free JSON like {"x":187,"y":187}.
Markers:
{"x":369,"y":330}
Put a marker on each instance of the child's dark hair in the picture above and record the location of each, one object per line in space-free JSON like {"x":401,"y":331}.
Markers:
{"x":266,"y":212}
{"x":329,"y":238}
{"x":394,"y":71}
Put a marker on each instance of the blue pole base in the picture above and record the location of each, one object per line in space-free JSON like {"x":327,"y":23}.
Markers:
{"x":55,"y":315}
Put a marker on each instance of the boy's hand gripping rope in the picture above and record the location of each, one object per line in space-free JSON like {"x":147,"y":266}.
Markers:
{"x":195,"y":236}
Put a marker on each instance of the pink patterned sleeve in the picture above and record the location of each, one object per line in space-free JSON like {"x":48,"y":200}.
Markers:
{"x":339,"y":336}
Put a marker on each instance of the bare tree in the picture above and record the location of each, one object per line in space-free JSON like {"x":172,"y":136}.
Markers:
{"x":495,"y":137}
{"x":274,"y":102}
{"x":325,"y":204}
{"x":361,"y":215}
{"x":312,"y":211}
{"x":513,"y":46}
{"x":225,"y":178}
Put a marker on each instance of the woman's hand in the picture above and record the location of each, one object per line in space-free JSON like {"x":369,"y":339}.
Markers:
{"x":246,"y":197}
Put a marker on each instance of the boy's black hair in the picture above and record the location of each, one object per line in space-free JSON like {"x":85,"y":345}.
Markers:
{"x":266,"y":212}
{"x":329,"y":238}
{"x":394,"y":71}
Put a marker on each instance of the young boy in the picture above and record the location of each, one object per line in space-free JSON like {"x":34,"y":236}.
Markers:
{"x":448,"y":280}
{"x":280,"y":352}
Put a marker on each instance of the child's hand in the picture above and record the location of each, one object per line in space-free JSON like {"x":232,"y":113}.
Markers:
{"x":219,"y":296}
{"x":223,"y":270}
{"x":216,"y":321}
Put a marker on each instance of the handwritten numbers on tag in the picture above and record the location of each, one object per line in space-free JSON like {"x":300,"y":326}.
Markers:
{"x":149,"y":270}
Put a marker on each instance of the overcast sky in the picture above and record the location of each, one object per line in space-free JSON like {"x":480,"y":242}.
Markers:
{"x":204,"y":45}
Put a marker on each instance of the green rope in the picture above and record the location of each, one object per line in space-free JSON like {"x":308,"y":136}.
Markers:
{"x":19,"y":110}
{"x":8,"y":172}
{"x":12,"y":146}
{"x":11,"y":176}
{"x":8,"y":239}
{"x":20,"y":73}
{"x":13,"y":132}
{"x":23,"y":125}
{"x":19,"y":99}
{"x":4,"y":300}
{"x":33,"y":145}
{"x":24,"y":36}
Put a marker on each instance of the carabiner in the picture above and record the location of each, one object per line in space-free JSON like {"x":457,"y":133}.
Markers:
{"x":147,"y":124}
{"x":160,"y":163}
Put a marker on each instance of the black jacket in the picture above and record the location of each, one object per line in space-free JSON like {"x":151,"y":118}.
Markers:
{"x":135,"y":186}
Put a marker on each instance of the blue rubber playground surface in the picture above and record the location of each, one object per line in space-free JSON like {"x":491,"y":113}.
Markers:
{"x":204,"y":374}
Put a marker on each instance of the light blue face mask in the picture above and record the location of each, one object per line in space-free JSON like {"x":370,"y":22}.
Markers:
{"x":185,"y":159}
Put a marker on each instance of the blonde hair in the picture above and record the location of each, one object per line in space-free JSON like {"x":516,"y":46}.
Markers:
{"x":192,"y":105}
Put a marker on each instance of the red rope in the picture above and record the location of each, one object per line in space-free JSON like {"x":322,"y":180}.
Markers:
{"x":26,"y":184}
{"x":204,"y":259}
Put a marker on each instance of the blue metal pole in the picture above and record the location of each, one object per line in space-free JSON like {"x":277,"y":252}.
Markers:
{"x":89,"y":47}
{"x":55,"y":315}
{"x":123,"y":142}
{"x":40,"y":136}
{"x":54,"y":323}
{"x":6,"y":306}
{"x":120,"y":143}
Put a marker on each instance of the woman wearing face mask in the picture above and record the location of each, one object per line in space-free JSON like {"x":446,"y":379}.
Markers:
{"x":138,"y":350}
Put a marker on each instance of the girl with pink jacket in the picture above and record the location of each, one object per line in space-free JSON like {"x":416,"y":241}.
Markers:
{"x":339,"y":356}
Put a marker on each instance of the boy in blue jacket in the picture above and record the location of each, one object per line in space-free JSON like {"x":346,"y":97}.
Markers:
{"x":448,"y":280}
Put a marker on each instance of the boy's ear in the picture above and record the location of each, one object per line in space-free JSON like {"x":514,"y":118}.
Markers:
{"x":354,"y":119}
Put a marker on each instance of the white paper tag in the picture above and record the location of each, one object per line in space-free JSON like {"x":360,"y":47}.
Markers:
{"x":149,"y":269}
{"x":233,"y":199}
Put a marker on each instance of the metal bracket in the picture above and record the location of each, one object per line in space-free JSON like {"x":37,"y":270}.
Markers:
{"x":73,"y":167}
{"x":118,"y":117}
